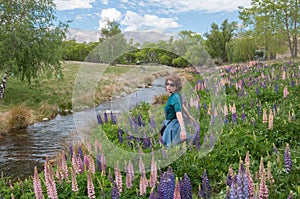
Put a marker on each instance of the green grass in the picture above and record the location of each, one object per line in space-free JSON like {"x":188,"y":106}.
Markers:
{"x":48,"y":94}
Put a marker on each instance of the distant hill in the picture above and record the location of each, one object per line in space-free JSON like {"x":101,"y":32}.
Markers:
{"x":138,"y":36}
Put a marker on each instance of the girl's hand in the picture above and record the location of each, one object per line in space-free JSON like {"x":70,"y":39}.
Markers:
{"x":182,"y":134}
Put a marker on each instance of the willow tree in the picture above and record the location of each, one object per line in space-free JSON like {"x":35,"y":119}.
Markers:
{"x":30,"y":38}
{"x":275,"y":24}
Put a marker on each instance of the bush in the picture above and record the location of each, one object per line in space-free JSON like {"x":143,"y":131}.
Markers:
{"x":19,"y":117}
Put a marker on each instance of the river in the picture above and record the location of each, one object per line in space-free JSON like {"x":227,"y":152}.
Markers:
{"x":21,"y":150}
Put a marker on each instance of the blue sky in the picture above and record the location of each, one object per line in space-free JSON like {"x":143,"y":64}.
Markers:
{"x":133,"y":15}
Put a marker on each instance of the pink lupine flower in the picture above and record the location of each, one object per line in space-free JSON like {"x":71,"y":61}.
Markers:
{"x":247,"y":160}
{"x":37,"y":185}
{"x":90,"y":186}
{"x":143,"y":184}
{"x":263,"y":188}
{"x":49,"y":180}
{"x":283,"y":76}
{"x":285,"y":92}
{"x":86,"y":162}
{"x":64,"y":167}
{"x":129,"y":175}
{"x":265,"y":115}
{"x":290,"y":117}
{"x":58,"y":173}
{"x":141,"y":166}
{"x":74,"y":180}
{"x":75,"y":163}
{"x":80,"y":164}
{"x":153,"y":175}
{"x":271,"y":118}
{"x":118,"y":177}
{"x":250,"y":184}
{"x":261,"y":170}
{"x":225,"y":110}
{"x":92,"y":165}
{"x":269,"y":174}
{"x":103,"y":164}
{"x":177,"y":190}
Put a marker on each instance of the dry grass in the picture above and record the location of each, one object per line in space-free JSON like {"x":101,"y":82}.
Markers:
{"x":19,"y":117}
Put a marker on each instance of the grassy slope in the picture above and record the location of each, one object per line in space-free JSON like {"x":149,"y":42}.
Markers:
{"x":45,"y":95}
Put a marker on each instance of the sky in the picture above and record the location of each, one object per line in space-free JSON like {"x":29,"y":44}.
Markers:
{"x":136,"y":15}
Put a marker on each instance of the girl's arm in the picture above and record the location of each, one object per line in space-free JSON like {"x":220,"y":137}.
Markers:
{"x":188,"y":114}
{"x":182,"y":127}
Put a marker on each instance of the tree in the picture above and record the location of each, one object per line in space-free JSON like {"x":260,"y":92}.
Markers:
{"x":218,"y":38}
{"x":112,"y":28}
{"x":30,"y":42}
{"x":275,"y":24}
{"x":112,"y":45}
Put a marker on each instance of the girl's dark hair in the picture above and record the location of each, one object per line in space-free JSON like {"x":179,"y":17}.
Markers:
{"x":176,"y":80}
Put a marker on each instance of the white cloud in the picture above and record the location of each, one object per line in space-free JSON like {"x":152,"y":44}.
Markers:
{"x":133,"y":21}
{"x":110,"y":14}
{"x":196,"y":5}
{"x":73,"y":4}
{"x":105,"y":2}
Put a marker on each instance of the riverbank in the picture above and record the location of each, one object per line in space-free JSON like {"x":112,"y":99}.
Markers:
{"x":48,"y":96}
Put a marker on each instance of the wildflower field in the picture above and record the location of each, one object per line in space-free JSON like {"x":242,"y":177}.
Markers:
{"x":255,"y":152}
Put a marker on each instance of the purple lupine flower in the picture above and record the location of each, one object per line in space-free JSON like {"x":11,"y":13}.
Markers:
{"x":163,"y":186}
{"x":196,"y":140}
{"x":276,"y":88}
{"x":211,"y":140}
{"x":275,"y":107}
{"x":114,"y":192}
{"x":287,"y":159}
{"x":71,"y":150}
{"x":105,"y":117}
{"x":113,"y":118}
{"x":99,"y":119}
{"x":80,"y":153}
{"x":233,"y":117}
{"x":243,"y":116}
{"x":257,"y":91}
{"x":226,"y":120}
{"x":205,"y":186}
{"x":233,"y":188}
{"x":171,"y":182}
{"x":187,"y":187}
{"x":152,"y":123}
{"x":98,"y":161}
{"x":140,"y":120}
{"x":120,"y":135}
{"x":205,"y":106}
{"x":153,"y":194}
{"x":227,"y":192}
{"x":292,"y":83}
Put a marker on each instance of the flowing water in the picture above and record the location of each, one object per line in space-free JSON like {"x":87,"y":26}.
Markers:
{"x":21,"y":150}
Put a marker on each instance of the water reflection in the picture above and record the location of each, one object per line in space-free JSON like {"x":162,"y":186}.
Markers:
{"x":21,"y":150}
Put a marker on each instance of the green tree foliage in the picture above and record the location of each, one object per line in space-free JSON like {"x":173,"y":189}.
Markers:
{"x":30,"y":42}
{"x":112,"y":28}
{"x":218,"y":38}
{"x":77,"y":51}
{"x":179,"y":62}
{"x":242,"y":48}
{"x":275,"y":24}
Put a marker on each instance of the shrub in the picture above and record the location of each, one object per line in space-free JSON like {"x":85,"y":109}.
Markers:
{"x":19,"y":117}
